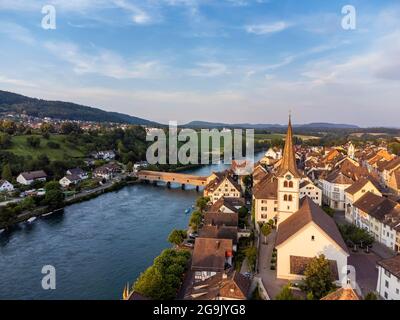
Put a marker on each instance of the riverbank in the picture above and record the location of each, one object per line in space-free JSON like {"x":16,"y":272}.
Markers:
{"x":81,"y":197}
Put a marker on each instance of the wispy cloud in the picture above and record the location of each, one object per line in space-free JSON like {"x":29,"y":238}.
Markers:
{"x":16,"y":32}
{"x":268,"y":28}
{"x":209,"y":69}
{"x":104,"y":62}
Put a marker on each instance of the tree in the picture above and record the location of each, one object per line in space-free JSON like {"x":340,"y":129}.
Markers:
{"x":176,"y":237}
{"x":195,"y":220}
{"x":129,"y":166}
{"x":251,"y":255}
{"x":286,"y":294}
{"x":52,"y":185}
{"x":54,"y":199}
{"x":202,"y":202}
{"x":266,"y":230}
{"x":243,"y":211}
{"x":33,"y":141}
{"x":371,"y":296}
{"x":6,"y":172}
{"x":318,"y":277}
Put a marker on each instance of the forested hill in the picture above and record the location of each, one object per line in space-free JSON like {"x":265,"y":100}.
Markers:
{"x":16,"y":103}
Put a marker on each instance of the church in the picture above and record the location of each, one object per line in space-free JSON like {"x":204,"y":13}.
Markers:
{"x":304,"y":230}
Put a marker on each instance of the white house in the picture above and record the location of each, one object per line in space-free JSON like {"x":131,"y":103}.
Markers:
{"x":27,"y":178}
{"x":81,"y":174}
{"x":222,"y":187}
{"x":6,"y":186}
{"x":355,"y":192}
{"x":69,"y":179}
{"x":265,"y":200}
{"x":306,"y":234}
{"x":388,"y":285}
{"x":310,"y":190}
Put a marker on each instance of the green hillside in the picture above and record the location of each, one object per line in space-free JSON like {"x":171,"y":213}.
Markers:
{"x":16,"y":103}
{"x":66,"y":150}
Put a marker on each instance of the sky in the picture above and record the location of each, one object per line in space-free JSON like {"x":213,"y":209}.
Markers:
{"x":232,"y":61}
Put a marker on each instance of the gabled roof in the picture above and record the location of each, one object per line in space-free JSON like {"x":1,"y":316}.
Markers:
{"x":376,"y":206}
{"x":358,"y":185}
{"x":309,"y":212}
{"x":221,"y":219}
{"x":342,"y":294}
{"x":267,"y":189}
{"x":393,"y":164}
{"x":209,"y":254}
{"x":219,"y":232}
{"x":32,"y":175}
{"x":231,"y":286}
{"x":392,"y":265}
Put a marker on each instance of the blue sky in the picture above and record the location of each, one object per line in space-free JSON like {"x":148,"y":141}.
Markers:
{"x":216,"y":60}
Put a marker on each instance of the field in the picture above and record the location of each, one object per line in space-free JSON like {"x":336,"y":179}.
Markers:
{"x":67,"y":150}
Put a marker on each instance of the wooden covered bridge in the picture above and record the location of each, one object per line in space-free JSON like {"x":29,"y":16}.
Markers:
{"x":171,"y":177}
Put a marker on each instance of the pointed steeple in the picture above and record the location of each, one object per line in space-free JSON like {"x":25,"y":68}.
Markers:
{"x":289,"y":158}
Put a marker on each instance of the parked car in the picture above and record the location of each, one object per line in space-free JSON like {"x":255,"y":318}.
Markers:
{"x":188,"y":244}
{"x":193,"y":235}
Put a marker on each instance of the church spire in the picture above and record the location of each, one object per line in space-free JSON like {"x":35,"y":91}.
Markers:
{"x":289,"y":158}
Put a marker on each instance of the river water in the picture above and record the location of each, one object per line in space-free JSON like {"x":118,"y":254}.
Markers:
{"x":96,"y":246}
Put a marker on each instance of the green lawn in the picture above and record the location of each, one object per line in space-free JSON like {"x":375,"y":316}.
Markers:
{"x":67,"y":150}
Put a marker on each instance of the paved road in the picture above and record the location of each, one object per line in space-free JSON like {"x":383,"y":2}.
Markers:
{"x":268,"y":276}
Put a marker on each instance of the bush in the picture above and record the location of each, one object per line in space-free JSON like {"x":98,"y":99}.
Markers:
{"x":273,"y":267}
{"x":355,"y":235}
{"x":53,"y":145}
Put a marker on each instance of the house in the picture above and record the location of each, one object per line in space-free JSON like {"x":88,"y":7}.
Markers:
{"x":27,"y":178}
{"x":220,"y":232}
{"x":380,"y":216}
{"x":388,"y":286}
{"x":103,"y":155}
{"x":344,"y":293}
{"x":335,"y":184}
{"x":6,"y":186}
{"x":229,"y":219}
{"x":265,"y":199}
{"x":69,"y":179}
{"x":211,"y":256}
{"x":224,"y":186}
{"x":394,"y":182}
{"x":307,"y":188}
{"x":306,"y":234}
{"x":140,"y":165}
{"x":78,"y":172}
{"x":355,"y":192}
{"x":222,"y":286}
{"x":106,"y":171}
{"x":388,"y":169}
{"x":225,"y":204}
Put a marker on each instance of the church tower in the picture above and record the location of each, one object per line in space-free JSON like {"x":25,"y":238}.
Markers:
{"x":351,"y":151}
{"x":288,"y":180}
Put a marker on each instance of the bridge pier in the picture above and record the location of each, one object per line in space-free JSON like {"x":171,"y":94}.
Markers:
{"x":154,"y":183}
{"x":197,"y":188}
{"x":169,"y":185}
{"x":183,"y":186}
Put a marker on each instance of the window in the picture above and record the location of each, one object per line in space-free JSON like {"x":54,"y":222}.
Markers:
{"x":387,"y":274}
{"x":312,"y":238}
{"x":285,"y":184}
{"x":386,"y":284}
{"x":290,"y":184}
{"x":290,"y":198}
{"x":285,"y":197}
{"x":386,"y":295}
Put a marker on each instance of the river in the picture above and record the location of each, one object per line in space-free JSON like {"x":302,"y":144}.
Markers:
{"x":96,"y":246}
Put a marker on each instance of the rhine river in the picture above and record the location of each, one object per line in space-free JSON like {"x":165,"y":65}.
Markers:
{"x":96,"y":246}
